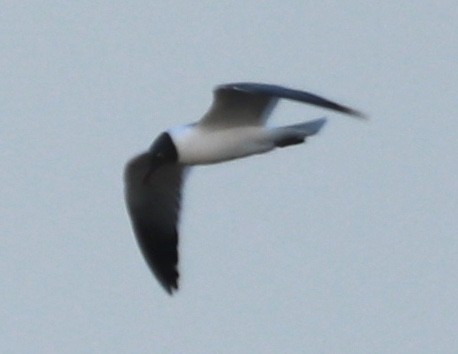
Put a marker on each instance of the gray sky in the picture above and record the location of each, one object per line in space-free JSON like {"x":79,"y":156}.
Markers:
{"x":347,"y":244}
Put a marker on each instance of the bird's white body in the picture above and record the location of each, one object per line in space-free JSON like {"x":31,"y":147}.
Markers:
{"x":200,"y":145}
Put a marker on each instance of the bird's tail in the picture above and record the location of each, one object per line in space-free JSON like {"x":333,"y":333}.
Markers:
{"x":296,"y":133}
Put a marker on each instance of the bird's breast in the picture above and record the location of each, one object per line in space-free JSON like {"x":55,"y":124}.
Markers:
{"x":197,"y":145}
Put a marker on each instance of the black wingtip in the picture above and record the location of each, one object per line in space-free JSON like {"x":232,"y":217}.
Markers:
{"x":170,"y":288}
{"x":160,"y":252}
{"x":357,"y":114}
{"x":168,"y":281}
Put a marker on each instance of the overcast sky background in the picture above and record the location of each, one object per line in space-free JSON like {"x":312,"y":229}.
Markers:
{"x":347,"y":244}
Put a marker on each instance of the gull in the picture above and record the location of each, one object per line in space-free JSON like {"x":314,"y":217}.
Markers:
{"x":233,"y":127}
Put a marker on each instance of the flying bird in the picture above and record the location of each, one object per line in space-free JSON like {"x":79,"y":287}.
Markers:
{"x":233,"y":127}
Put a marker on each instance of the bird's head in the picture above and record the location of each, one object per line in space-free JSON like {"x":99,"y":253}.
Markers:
{"x":161,"y":152}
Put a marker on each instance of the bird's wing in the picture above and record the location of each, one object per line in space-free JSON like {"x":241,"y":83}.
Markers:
{"x":243,"y":104}
{"x":234,"y":106}
{"x":154,"y":209}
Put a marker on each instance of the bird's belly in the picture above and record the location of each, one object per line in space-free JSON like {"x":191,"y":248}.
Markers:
{"x":199,"y":146}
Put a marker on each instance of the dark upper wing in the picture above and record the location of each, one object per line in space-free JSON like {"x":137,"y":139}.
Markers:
{"x":154,"y":207}
{"x":252,"y":103}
